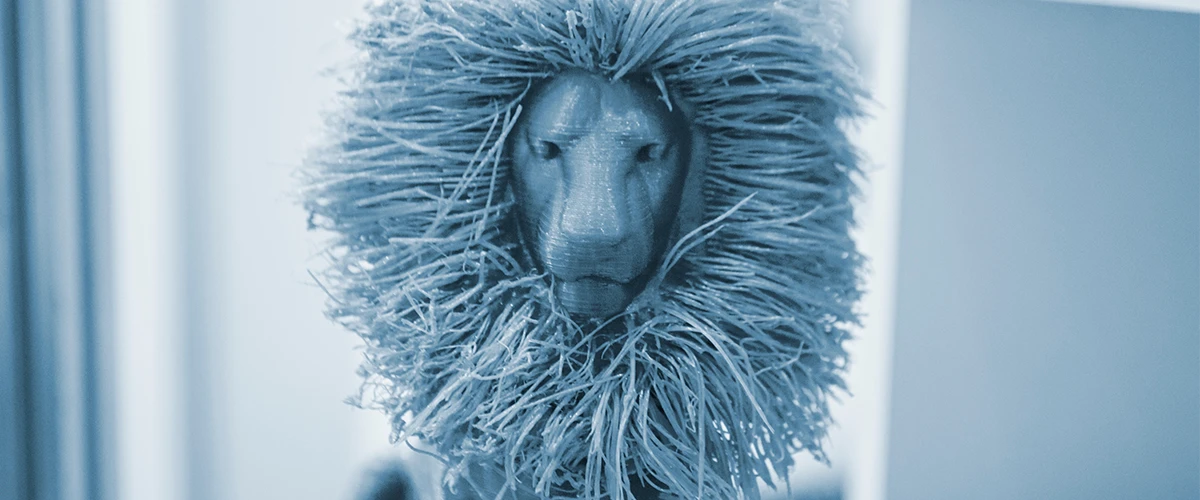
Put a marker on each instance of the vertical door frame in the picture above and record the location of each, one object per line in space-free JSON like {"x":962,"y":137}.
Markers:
{"x":53,"y":251}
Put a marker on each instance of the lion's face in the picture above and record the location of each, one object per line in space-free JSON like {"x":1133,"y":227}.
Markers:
{"x":599,"y":168}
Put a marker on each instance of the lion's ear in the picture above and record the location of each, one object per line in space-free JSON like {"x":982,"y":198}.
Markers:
{"x":691,"y":201}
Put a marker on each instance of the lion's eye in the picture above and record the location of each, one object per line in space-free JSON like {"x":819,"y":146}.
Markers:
{"x":547,"y":150}
{"x":649,"y":152}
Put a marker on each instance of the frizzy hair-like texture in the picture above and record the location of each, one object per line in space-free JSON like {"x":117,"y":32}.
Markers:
{"x":719,"y":371}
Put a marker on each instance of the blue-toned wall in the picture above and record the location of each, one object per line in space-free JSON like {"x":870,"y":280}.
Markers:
{"x":1047,"y":337}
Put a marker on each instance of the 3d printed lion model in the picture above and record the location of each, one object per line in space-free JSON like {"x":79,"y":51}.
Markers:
{"x":718,"y":371}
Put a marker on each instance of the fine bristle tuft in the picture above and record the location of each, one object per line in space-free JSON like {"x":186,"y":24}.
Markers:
{"x":720,"y":372}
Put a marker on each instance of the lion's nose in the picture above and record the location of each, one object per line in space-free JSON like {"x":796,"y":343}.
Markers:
{"x":594,"y":214}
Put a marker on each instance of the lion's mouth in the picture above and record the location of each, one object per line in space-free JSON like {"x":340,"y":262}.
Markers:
{"x":596,"y":277}
{"x":609,"y":266}
{"x":594,"y":296}
{"x":598,"y":283}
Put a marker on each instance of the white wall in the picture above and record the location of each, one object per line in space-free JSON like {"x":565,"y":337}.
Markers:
{"x":277,"y":369}
{"x":147,"y":267}
{"x":880,"y":35}
{"x":231,"y":380}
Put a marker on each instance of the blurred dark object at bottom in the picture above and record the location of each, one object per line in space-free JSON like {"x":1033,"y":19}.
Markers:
{"x":387,"y":480}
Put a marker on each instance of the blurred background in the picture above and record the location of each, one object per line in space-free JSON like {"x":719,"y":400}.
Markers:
{"x":1031,"y":211}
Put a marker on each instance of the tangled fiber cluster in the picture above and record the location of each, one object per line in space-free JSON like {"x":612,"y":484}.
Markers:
{"x":720,"y":371}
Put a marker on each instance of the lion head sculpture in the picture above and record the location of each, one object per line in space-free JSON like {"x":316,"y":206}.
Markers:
{"x":596,"y":248}
{"x":599,"y":169}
